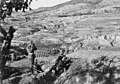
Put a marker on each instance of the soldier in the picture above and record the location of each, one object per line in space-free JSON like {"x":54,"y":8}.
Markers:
{"x":67,"y":63}
{"x":31,"y":48}
{"x":59,"y":64}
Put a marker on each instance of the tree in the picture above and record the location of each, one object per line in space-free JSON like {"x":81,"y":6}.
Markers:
{"x":7,"y":37}
{"x":0,"y":69}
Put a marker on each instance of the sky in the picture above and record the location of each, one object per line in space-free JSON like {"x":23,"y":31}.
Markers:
{"x":46,"y":3}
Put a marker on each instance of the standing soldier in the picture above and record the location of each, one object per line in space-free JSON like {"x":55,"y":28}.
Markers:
{"x":31,"y":48}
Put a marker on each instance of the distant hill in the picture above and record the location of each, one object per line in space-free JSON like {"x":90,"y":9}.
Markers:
{"x":79,"y":1}
{"x":72,"y":2}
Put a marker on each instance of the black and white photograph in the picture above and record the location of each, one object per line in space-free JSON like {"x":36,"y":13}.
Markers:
{"x":59,"y":41}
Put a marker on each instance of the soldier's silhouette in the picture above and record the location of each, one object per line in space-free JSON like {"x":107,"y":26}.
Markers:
{"x":31,"y":48}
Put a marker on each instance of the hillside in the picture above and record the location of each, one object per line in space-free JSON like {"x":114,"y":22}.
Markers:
{"x":70,"y":22}
{"x":89,"y":29}
{"x":72,"y":2}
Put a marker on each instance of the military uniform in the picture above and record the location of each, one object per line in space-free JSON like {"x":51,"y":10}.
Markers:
{"x":30,"y":49}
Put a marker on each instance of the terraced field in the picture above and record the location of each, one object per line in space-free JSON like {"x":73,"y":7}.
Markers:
{"x":88,"y":30}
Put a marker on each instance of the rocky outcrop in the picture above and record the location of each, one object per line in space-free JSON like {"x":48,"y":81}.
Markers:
{"x":101,"y":70}
{"x":97,"y":42}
